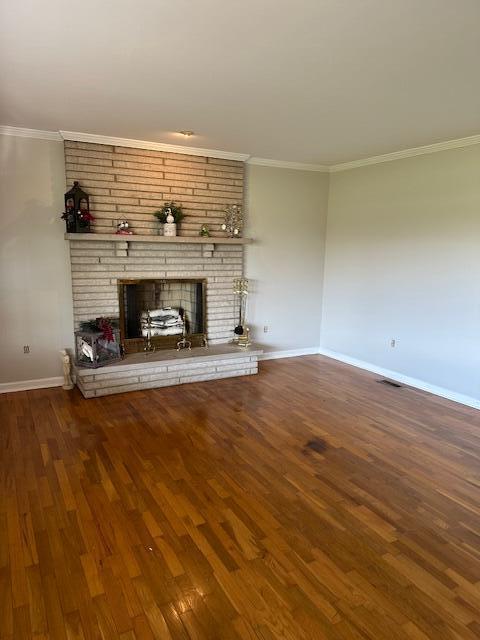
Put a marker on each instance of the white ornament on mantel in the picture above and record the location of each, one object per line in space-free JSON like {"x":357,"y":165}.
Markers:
{"x":170,"y":228}
{"x":67,"y":380}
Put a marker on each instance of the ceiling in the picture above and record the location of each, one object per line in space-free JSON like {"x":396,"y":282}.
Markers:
{"x":314,"y":81}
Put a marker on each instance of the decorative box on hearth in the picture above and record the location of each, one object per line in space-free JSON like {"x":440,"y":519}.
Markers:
{"x":96,"y":348}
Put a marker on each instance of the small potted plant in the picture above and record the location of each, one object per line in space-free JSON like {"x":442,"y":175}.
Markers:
{"x":169,"y":216}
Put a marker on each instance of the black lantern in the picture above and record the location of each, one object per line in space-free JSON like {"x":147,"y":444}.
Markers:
{"x":77,"y":214}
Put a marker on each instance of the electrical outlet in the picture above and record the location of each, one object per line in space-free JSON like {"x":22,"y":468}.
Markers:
{"x":265,"y":328}
{"x":26,"y":348}
{"x":393,"y":342}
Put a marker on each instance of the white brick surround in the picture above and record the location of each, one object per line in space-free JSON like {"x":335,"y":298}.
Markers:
{"x":96,"y":267}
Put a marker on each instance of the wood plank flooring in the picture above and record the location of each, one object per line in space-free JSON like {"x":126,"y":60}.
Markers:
{"x":308,"y":502}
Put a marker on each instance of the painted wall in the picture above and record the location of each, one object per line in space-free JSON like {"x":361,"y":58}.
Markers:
{"x":286,"y":216}
{"x":35,"y":290}
{"x":403,"y":263}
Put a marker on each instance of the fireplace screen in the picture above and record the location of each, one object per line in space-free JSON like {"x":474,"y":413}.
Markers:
{"x":163,"y":309}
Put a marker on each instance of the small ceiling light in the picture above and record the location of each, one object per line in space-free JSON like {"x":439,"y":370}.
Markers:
{"x":187,"y":133}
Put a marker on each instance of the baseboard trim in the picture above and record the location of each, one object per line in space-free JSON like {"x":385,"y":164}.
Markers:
{"x":293,"y":353}
{"x":45,"y":383}
{"x":27,"y":385}
{"x":399,"y":377}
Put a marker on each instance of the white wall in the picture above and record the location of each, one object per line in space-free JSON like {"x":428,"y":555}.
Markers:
{"x":286,"y":215}
{"x":403,"y":263}
{"x":35,"y":289}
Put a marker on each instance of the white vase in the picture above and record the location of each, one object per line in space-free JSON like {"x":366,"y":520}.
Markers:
{"x":170,"y":229}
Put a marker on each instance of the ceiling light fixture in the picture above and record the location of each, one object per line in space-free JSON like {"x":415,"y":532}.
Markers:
{"x":187,"y":133}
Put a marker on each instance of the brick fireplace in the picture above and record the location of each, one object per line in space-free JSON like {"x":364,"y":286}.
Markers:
{"x":126,"y":183}
{"x":99,"y":266}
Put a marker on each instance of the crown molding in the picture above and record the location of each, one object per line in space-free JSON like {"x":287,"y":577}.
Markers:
{"x":459,"y":143}
{"x":21,"y":132}
{"x":285,"y":164}
{"x":77,"y":136}
{"x":59,"y":136}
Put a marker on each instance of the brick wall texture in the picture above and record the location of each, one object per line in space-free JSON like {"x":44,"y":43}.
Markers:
{"x":126,"y":183}
{"x":97,"y":267}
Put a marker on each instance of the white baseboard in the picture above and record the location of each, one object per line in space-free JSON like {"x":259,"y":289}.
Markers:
{"x":293,"y":353}
{"x":43,"y":383}
{"x":27,"y":385}
{"x":399,"y":377}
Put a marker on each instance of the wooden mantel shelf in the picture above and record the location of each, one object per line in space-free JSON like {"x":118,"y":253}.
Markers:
{"x":113,"y":237}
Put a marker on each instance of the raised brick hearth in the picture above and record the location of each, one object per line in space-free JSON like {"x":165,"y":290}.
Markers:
{"x":167,"y":368}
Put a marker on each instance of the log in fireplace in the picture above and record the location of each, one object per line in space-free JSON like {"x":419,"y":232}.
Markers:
{"x":163,"y":308}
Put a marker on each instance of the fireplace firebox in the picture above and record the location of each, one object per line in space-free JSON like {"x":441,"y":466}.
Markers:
{"x":162,"y":310}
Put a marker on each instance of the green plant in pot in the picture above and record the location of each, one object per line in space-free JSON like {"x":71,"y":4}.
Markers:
{"x":169,"y":216}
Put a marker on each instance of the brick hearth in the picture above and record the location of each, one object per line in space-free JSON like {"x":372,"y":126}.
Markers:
{"x":167,"y":368}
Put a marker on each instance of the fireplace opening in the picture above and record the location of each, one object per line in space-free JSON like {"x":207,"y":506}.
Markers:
{"x":162,"y":310}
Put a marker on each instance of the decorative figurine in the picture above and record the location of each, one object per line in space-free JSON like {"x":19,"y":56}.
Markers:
{"x":169,"y":216}
{"x":204,"y":231}
{"x":170,"y":227}
{"x":233,"y":224}
{"x":67,"y":367}
{"x":123,"y":228}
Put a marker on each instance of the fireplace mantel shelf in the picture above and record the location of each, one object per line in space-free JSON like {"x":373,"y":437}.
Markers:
{"x":114,"y":237}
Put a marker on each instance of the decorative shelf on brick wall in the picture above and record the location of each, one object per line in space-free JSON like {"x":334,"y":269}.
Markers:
{"x":122,"y":248}
{"x":114,"y":237}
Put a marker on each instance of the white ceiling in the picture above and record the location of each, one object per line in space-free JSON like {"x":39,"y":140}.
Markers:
{"x":314,"y":81}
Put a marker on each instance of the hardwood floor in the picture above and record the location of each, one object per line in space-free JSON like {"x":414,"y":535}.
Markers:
{"x":308,"y":502}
